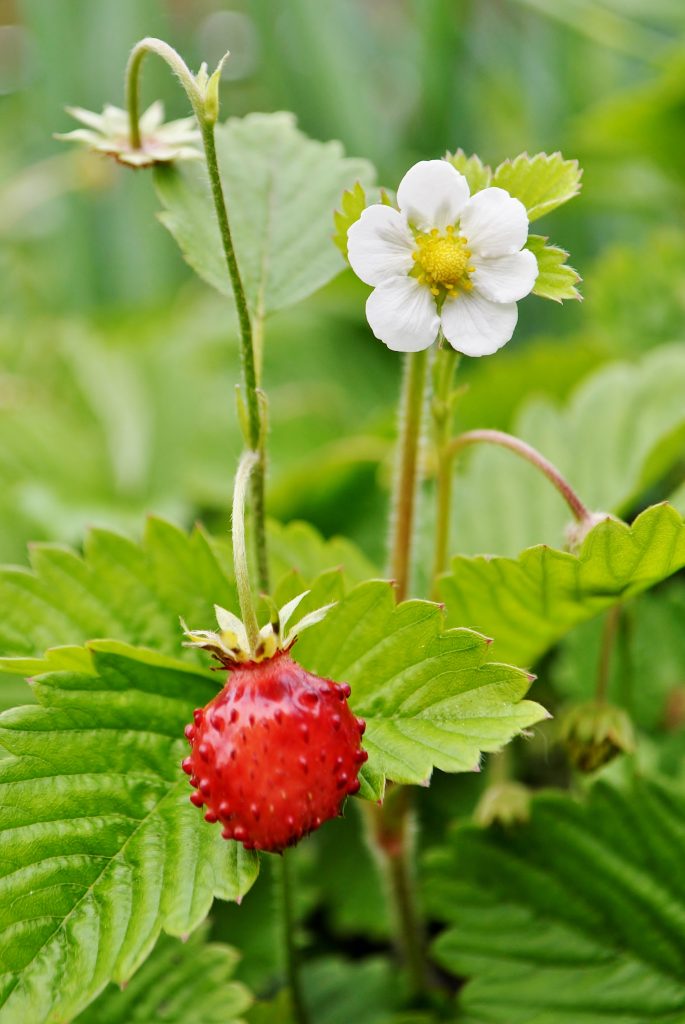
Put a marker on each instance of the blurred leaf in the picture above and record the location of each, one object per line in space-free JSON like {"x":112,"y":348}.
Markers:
{"x":575,"y":918}
{"x":530,"y":602}
{"x":180,"y":983}
{"x":478,"y":174}
{"x":429,"y":697}
{"x":619,"y":435}
{"x":102,"y":848}
{"x":281,"y":190}
{"x":555,"y":280}
{"x":353,"y":204}
{"x":540,"y":182}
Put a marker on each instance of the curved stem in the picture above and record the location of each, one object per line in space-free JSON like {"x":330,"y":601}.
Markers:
{"x":247,"y":463}
{"x":201,"y":107}
{"x":255,"y":429}
{"x":404,"y":496}
{"x":526,"y":451}
{"x":289,"y":924}
{"x":177,"y":65}
{"x":442,"y":409}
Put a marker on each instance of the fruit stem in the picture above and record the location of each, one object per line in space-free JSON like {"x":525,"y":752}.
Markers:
{"x":391,"y":829}
{"x":206,"y":112}
{"x":404,"y":492}
{"x":580,"y":513}
{"x":442,"y":412}
{"x":248,"y":461}
{"x":289,"y":924}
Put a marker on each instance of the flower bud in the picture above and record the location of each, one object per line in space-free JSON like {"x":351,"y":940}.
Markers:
{"x":595,"y":733}
{"x":507,"y":803}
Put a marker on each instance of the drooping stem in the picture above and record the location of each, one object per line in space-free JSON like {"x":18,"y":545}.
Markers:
{"x":247,"y":463}
{"x":255,"y":427}
{"x":442,"y":408}
{"x":289,"y":924}
{"x":177,"y":65}
{"x":205,"y":106}
{"x":580,"y":513}
{"x":404,"y":495}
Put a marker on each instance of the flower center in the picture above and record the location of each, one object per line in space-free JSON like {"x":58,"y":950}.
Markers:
{"x":442,"y":261}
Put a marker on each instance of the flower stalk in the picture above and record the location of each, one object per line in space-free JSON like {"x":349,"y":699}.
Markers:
{"x":442,"y":410}
{"x":404,"y":496}
{"x":526,"y":451}
{"x":202,"y":91}
{"x":246,"y":466}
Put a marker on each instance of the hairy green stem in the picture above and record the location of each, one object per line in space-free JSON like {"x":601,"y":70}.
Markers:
{"x":404,"y":496}
{"x":255,"y":430}
{"x":247,"y":463}
{"x":442,"y":409}
{"x":289,"y":924}
{"x":580,"y":513}
{"x":205,"y":107}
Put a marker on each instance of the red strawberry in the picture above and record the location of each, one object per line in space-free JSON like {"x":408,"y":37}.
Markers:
{"x":275,"y":754}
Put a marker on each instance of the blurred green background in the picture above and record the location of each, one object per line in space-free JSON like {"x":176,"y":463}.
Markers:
{"x":117,"y":368}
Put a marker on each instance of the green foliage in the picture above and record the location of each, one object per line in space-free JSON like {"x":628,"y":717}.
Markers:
{"x":353,"y":204}
{"x":555,"y":280}
{"x":617,"y":437}
{"x":180,"y":983}
{"x":575,"y":918}
{"x":541,"y":182}
{"x":102,"y":848}
{"x":530,"y":602}
{"x":430,"y":698}
{"x":281,"y":189}
{"x":137,"y":592}
{"x":478,"y":174}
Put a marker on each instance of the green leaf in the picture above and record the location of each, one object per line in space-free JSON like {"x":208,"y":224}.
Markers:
{"x":281,"y":189}
{"x":575,"y":918}
{"x":541,"y":182}
{"x":137,"y":592}
{"x":101,"y":846}
{"x":555,"y":280}
{"x":478,"y":174}
{"x":353,"y":205}
{"x":180,"y":983}
{"x":528,"y":603}
{"x":429,"y":697}
{"x":617,"y":438}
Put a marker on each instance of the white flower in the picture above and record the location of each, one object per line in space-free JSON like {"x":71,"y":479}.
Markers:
{"x":445,"y":259}
{"x":110,"y":133}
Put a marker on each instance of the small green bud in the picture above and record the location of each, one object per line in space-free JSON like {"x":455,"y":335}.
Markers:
{"x":595,"y":733}
{"x":210,"y":91}
{"x":507,"y":803}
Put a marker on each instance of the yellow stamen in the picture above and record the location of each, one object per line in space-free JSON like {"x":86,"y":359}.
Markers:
{"x":442,"y":261}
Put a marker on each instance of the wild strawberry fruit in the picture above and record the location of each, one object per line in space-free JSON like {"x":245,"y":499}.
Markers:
{"x":278,"y":750}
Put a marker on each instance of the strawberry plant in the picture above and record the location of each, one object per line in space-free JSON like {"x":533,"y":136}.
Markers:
{"x":272,"y":744}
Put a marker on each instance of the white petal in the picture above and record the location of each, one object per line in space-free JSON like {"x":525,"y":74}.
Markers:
{"x":494,"y":223}
{"x":152,"y":118}
{"x":432,"y":194}
{"x":505,"y":278}
{"x":402,"y":314}
{"x":380,"y":245}
{"x":475,"y":326}
{"x":87,"y":117}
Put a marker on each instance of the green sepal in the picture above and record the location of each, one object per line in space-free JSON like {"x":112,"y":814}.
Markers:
{"x":353,"y":204}
{"x":556,"y":280}
{"x":540,"y":182}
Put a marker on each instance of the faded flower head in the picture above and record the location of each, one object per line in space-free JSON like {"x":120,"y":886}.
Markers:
{"x":110,"y":133}
{"x":230,"y":645}
{"x":445,"y":259}
{"x":594,"y":733}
